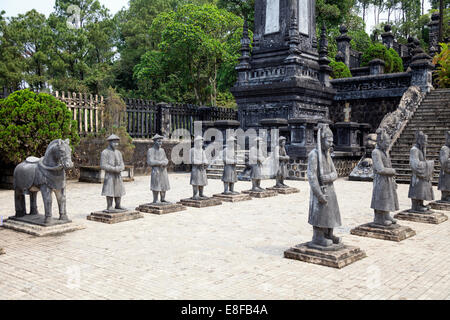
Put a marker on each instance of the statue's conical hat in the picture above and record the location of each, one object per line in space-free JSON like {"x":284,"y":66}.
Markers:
{"x":157,"y":136}
{"x":113,"y":137}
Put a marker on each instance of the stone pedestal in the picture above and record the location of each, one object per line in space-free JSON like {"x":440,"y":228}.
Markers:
{"x":347,"y":137}
{"x":393,"y":232}
{"x":430,"y":217}
{"x":440,"y":205}
{"x":233,"y":197}
{"x":207,"y":202}
{"x":93,"y":174}
{"x":336,"y":256}
{"x":261,"y":194}
{"x":114,"y":217}
{"x":286,"y":190}
{"x":161,"y":208}
{"x":34,"y":225}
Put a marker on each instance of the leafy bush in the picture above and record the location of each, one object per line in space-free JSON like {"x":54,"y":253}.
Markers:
{"x":29,"y":122}
{"x":378,"y":51}
{"x":442,"y":62}
{"x":340,"y":70}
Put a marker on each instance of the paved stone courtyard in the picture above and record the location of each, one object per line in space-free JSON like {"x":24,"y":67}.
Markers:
{"x":233,"y":251}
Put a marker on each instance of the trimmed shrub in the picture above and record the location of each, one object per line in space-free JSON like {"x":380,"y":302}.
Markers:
{"x":29,"y":122}
{"x":378,"y":51}
{"x":340,"y":70}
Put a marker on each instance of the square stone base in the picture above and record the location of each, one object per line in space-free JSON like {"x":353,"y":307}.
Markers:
{"x":39,"y":229}
{"x":208,"y":202}
{"x":261,"y":194}
{"x":440,"y":205}
{"x":161,"y":208}
{"x":114,"y":217}
{"x":337,"y":257}
{"x":232,"y":197}
{"x":432,"y":217}
{"x":393,"y":232}
{"x":287,"y":190}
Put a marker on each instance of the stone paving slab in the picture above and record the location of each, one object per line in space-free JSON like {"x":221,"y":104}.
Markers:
{"x":234,"y":251}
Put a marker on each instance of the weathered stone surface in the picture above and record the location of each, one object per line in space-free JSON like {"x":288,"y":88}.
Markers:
{"x":288,"y":190}
{"x":208,"y":202}
{"x":261,"y":194}
{"x":161,"y":208}
{"x":39,"y":220}
{"x":432,"y":217}
{"x":39,"y":230}
{"x":394,"y":232}
{"x":93,"y":174}
{"x":440,"y":205}
{"x":233,"y":197}
{"x":114,"y":217}
{"x":336,"y":258}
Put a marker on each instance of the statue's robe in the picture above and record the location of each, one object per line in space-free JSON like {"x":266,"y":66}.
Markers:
{"x":420,"y":187}
{"x":112,"y":162}
{"x":256,"y":158}
{"x":157,"y":160}
{"x":444,"y":175}
{"x":199,"y":162}
{"x":322,"y":215}
{"x":282,"y":171}
{"x":229,"y":161}
{"x":384,"y":193}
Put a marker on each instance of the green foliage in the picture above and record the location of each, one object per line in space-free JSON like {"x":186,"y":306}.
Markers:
{"x":378,"y":51}
{"x":29,"y":122}
{"x":442,"y":61}
{"x":196,"y":52}
{"x":340,"y":70}
{"x":333,"y":12}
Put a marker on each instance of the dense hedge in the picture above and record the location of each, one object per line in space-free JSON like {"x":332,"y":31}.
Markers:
{"x":378,"y":51}
{"x":340,"y":70}
{"x":29,"y":122}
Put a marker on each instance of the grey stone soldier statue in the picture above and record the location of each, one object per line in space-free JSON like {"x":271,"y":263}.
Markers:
{"x":256,"y":159}
{"x":384,"y":194}
{"x":444,"y":175}
{"x":199,"y":163}
{"x":420,"y":188}
{"x":157,"y":160}
{"x":324,"y":212}
{"x":229,"y":177}
{"x":283,"y":158}
{"x":112,"y":162}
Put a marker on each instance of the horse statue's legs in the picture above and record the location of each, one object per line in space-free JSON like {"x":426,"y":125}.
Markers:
{"x":19,"y":202}
{"x":61,"y":198}
{"x":47,"y":198}
{"x":33,"y":203}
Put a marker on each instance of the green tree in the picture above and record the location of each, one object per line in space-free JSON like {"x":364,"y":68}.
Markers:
{"x":29,"y":122}
{"x":196,"y":48}
{"x":333,"y":12}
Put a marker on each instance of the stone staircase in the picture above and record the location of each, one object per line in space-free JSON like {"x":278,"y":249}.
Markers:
{"x":215,"y":170}
{"x":433,"y":118}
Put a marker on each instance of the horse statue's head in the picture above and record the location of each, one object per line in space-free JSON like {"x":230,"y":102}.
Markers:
{"x":59,"y":154}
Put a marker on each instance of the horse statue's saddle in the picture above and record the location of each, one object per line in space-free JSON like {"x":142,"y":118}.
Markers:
{"x":32,"y":160}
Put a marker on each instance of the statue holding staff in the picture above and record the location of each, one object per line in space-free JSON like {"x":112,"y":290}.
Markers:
{"x":199,"y":163}
{"x":324,"y":214}
{"x":157,"y":160}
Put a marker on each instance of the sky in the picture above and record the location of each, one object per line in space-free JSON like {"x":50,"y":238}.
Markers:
{"x":14,"y":7}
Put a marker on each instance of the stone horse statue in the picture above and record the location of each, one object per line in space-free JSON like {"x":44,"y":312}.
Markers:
{"x":45,"y":174}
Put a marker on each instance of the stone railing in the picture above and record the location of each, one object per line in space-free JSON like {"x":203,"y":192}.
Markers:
{"x":394,"y":123}
{"x":373,"y":86}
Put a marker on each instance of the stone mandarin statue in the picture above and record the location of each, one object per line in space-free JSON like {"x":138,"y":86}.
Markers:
{"x":444,"y":176}
{"x":229,"y":176}
{"x":324,"y":213}
{"x":384,"y":194}
{"x":112,"y":162}
{"x":199,"y":163}
{"x":157,"y":160}
{"x":420,"y":188}
{"x":256,"y":159}
{"x":282,"y":172}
